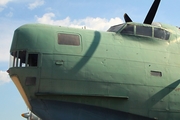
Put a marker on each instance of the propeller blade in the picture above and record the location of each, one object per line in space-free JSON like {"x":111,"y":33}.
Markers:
{"x":127,"y":18}
{"x":152,"y":12}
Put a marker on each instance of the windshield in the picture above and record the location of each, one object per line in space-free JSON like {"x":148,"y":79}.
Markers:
{"x":146,"y":31}
{"x":115,"y":28}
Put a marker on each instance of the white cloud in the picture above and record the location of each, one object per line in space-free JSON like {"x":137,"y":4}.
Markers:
{"x":49,"y":9}
{"x":46,"y":18}
{"x":35,"y":4}
{"x":4,"y":2}
{"x":89,"y":22}
{"x":10,"y":14}
{"x":4,"y":77}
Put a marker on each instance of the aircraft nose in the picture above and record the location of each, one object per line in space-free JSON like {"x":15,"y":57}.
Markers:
{"x":7,"y":71}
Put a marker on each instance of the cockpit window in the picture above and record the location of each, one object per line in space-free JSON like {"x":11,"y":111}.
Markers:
{"x":22,"y":59}
{"x":32,"y":60}
{"x":144,"y":31}
{"x":115,"y":28}
{"x":68,"y":39}
{"x":161,"y":34}
{"x":129,"y":29}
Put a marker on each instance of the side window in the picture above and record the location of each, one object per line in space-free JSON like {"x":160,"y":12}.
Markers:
{"x":32,"y":60}
{"x":161,"y":34}
{"x":129,"y":29}
{"x":143,"y":30}
{"x":68,"y":39}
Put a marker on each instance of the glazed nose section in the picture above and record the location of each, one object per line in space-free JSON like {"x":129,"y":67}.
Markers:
{"x":22,"y":58}
{"x":18,"y":59}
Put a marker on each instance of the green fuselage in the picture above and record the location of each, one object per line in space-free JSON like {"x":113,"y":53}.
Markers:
{"x":120,"y":70}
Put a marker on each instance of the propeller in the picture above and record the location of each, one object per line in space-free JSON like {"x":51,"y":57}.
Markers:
{"x":152,"y":12}
{"x":30,"y":116}
{"x":26,"y":115}
{"x":150,"y":16}
{"x":127,"y":18}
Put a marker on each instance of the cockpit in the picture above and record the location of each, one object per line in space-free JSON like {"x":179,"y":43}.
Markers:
{"x":154,"y":31}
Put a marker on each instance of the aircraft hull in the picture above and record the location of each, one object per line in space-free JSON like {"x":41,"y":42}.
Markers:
{"x":60,"y":110}
{"x":125,"y":77}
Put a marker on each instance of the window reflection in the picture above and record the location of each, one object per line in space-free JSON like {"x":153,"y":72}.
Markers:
{"x":144,"y":31}
{"x":68,"y":39}
{"x":129,"y":29}
{"x":161,"y":34}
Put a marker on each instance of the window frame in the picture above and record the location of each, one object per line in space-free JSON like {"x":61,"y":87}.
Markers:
{"x":166,"y":34}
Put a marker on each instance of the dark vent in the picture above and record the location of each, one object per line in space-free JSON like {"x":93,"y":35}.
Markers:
{"x":30,"y":81}
{"x":156,"y":73}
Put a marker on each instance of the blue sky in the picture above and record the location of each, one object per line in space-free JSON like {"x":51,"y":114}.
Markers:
{"x":93,"y":14}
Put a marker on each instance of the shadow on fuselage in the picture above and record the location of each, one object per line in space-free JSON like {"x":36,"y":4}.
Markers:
{"x":161,"y":94}
{"x":88,"y":54}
